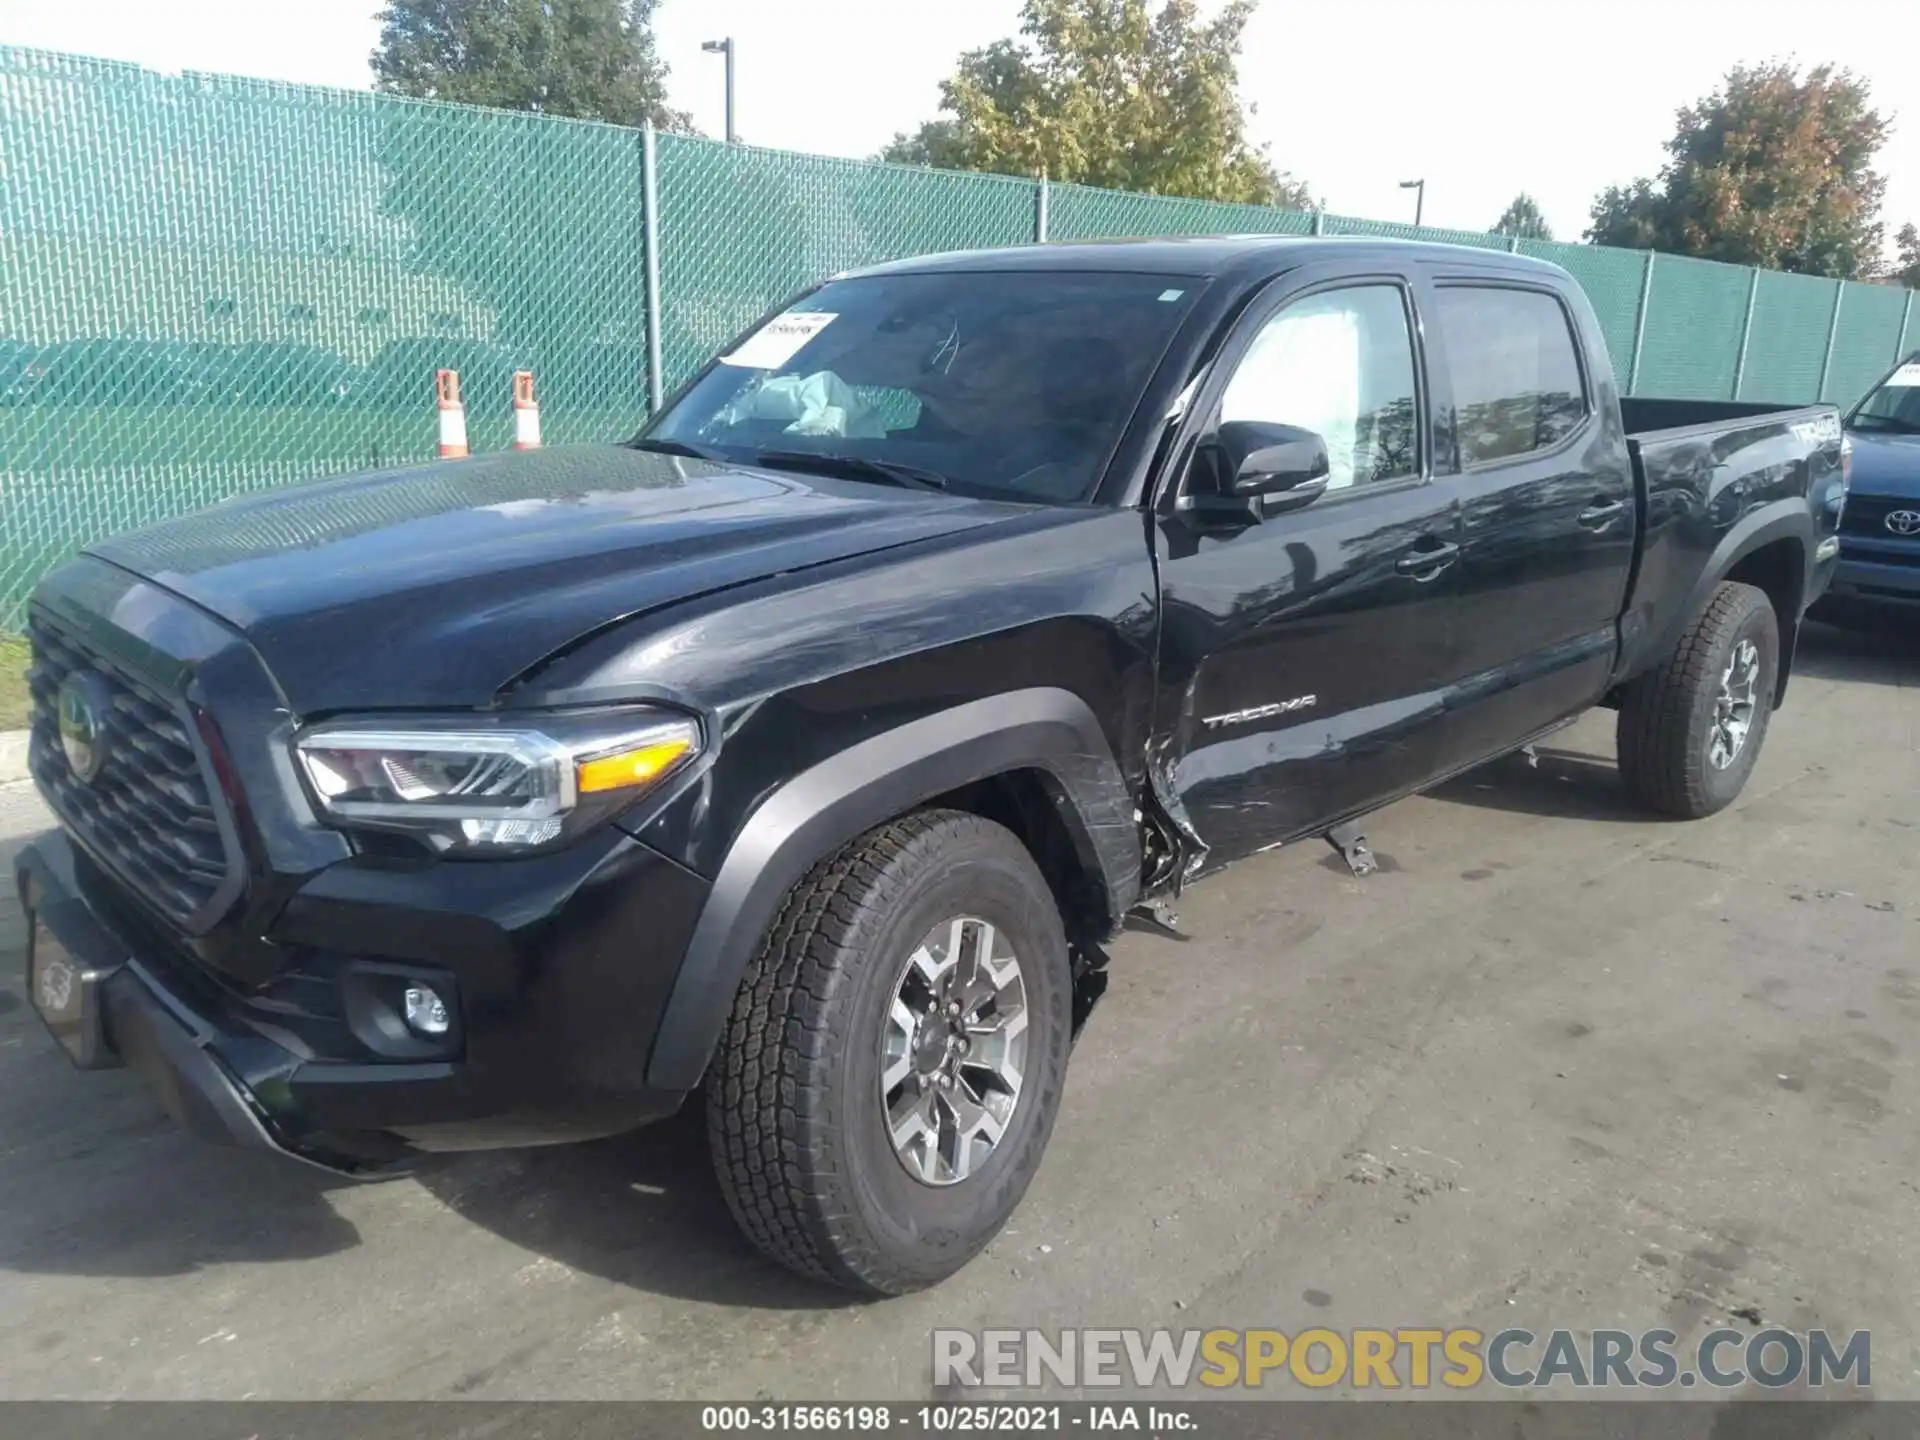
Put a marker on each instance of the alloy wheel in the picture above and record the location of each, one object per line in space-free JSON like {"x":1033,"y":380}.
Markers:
{"x":953,"y":1050}
{"x":1735,"y":705}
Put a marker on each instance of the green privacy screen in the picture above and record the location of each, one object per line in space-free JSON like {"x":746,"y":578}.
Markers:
{"x":211,"y":285}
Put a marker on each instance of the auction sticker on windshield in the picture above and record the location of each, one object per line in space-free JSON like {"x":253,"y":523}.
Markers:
{"x":1906,"y":377}
{"x":779,"y":340}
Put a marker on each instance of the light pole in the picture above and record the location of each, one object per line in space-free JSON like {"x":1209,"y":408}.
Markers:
{"x":724,"y":47}
{"x":1419,"y":188}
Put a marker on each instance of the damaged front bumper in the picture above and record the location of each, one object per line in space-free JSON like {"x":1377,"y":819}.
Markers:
{"x":237,"y":1067}
{"x":107,"y":1010}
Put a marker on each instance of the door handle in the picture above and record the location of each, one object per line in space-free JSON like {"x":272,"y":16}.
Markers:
{"x":1602,"y":513}
{"x":1425,"y":565}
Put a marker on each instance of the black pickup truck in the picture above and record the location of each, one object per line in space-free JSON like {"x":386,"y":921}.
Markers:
{"x":806,"y":749}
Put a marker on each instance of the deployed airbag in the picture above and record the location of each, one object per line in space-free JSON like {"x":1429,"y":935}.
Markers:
{"x":817,"y":404}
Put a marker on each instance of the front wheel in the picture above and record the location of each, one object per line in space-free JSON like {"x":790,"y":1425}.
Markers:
{"x":1690,"y":730}
{"x":893,"y":1063}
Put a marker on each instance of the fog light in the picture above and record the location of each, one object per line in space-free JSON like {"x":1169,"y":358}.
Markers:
{"x":426,"y":1012}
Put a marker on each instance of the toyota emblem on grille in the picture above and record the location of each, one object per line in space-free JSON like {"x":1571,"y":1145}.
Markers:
{"x":82,"y":715}
{"x":1904,"y":522}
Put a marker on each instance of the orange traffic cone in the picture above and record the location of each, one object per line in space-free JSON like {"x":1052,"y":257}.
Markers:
{"x":526,"y":412}
{"x":453,"y":415}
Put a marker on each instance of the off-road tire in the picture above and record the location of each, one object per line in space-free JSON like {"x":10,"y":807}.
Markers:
{"x":1666,"y":716}
{"x":794,"y":1112}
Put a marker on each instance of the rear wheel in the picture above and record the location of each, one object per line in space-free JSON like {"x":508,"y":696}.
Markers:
{"x":1690,"y":730}
{"x":893,"y":1063}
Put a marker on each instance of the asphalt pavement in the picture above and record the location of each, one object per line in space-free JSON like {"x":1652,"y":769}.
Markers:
{"x":1556,"y":1065}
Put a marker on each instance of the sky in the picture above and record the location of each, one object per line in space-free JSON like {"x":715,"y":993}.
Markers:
{"x":1480,"y":98}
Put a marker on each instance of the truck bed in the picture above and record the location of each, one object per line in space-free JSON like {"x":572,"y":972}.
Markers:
{"x":1716,"y":480}
{"x":1643,"y":416}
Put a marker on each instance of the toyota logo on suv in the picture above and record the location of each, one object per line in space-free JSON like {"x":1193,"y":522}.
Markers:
{"x":1904,"y":522}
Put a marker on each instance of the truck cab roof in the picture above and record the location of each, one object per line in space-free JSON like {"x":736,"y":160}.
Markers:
{"x":1238,"y":257}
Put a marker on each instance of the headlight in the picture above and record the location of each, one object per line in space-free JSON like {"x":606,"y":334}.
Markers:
{"x":493,"y":784}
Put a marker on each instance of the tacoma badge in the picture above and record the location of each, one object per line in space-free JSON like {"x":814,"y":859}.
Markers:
{"x":1261,"y":712}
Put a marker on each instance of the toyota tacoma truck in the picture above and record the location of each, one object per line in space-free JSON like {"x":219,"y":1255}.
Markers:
{"x":1877,"y":581}
{"x":804,"y":751}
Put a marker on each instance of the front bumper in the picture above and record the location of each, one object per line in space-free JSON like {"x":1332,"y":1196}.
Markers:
{"x":555,"y":1023}
{"x":104,"y":991}
{"x":1875,"y":578}
{"x":260,"y":984}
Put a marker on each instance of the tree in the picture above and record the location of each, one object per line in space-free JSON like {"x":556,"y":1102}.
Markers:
{"x":1630,"y":216}
{"x":936,"y":143}
{"x":1771,"y":170}
{"x":588,"y":59}
{"x":1107,"y":92}
{"x":1906,"y":270}
{"x":1523,"y":220}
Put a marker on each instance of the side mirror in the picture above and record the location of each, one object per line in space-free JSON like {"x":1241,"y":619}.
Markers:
{"x":1257,"y":469}
{"x":1275,"y":460}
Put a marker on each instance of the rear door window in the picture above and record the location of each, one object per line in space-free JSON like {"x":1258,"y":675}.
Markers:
{"x":1515,"y":366}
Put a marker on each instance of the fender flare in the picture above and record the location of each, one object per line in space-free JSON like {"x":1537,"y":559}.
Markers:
{"x":1783,"y":520}
{"x":1049,"y":730}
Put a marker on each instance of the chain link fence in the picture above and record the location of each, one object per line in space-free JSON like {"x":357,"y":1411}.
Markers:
{"x":212,"y":285}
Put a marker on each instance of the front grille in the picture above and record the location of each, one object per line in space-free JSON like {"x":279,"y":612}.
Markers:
{"x":149,"y":814}
{"x":1866,"y":516}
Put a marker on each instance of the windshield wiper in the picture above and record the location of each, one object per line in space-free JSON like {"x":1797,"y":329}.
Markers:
{"x":679,"y":447}
{"x":855,"y":467}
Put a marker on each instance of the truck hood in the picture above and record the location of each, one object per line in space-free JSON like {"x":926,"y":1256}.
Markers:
{"x":437,"y":586}
{"x":1885,"y":464}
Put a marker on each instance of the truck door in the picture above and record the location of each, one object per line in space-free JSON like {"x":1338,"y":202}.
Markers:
{"x":1302,"y":652}
{"x":1547,"y":509}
